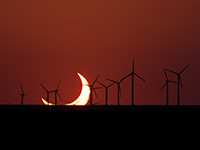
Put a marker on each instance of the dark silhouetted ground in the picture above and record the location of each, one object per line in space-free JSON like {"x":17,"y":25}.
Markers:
{"x":65,"y":117}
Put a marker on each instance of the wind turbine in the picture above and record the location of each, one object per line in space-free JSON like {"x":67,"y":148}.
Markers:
{"x":167,"y":86}
{"x":46,"y":91}
{"x":132,"y":81}
{"x":57,"y":93}
{"x":119,"y":92}
{"x":179,"y":81}
{"x":22,"y":94}
{"x":106,"y":90}
{"x":92,"y":88}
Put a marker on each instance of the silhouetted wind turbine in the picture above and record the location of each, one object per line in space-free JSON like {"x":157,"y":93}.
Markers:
{"x":119,"y":92}
{"x":106,"y":90}
{"x":47,"y":92}
{"x":57,"y":93}
{"x":92,"y":88}
{"x":167,"y":86}
{"x":132,"y":81}
{"x":22,"y":94}
{"x":179,"y":81}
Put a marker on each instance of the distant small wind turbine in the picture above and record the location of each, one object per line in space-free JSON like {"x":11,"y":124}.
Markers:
{"x":119,"y":92}
{"x":167,"y":86}
{"x":106,"y":90}
{"x":47,"y":92}
{"x":57,"y":93}
{"x":179,"y":81}
{"x":22,"y":94}
{"x":92,"y":88}
{"x":132,"y":81}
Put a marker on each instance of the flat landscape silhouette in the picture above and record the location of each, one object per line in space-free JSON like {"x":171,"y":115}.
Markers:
{"x":99,"y":116}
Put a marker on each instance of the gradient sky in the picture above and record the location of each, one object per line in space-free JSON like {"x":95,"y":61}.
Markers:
{"x":52,"y":40}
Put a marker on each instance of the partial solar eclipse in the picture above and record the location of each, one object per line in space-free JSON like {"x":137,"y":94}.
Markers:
{"x":83,"y":97}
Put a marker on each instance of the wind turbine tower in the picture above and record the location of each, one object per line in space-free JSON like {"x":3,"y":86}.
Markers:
{"x":106,"y":90}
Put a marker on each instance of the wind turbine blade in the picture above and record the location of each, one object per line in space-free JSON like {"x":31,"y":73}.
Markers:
{"x":120,"y":91}
{"x":96,"y":103}
{"x":165,"y":73}
{"x":140,"y":77}
{"x":184,"y":69}
{"x":44,"y":87}
{"x":172,"y":82}
{"x":162,"y":87}
{"x":10,"y":102}
{"x":59,"y":96}
{"x":95,"y":93}
{"x":101,"y":83}
{"x":125,"y":77}
{"x":133,"y":65}
{"x":181,"y":83}
{"x":110,"y":84}
{"x":22,"y":88}
{"x":95,"y":79}
{"x":58,"y":84}
{"x":172,"y":71}
{"x":111,"y":80}
{"x":97,"y":88}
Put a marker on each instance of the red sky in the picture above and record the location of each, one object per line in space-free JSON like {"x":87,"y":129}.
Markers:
{"x":45,"y":41}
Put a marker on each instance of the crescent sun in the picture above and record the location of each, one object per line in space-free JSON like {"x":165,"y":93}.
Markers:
{"x":83,"y":97}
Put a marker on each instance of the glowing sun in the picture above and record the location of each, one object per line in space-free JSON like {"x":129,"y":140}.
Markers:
{"x":83,"y":97}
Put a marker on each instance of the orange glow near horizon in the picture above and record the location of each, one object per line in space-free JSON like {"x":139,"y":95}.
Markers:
{"x":83,"y":97}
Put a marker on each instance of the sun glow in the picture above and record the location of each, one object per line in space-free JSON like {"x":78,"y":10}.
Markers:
{"x":83,"y":97}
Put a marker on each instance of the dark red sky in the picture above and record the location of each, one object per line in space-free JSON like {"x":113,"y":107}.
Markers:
{"x":45,"y":41}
